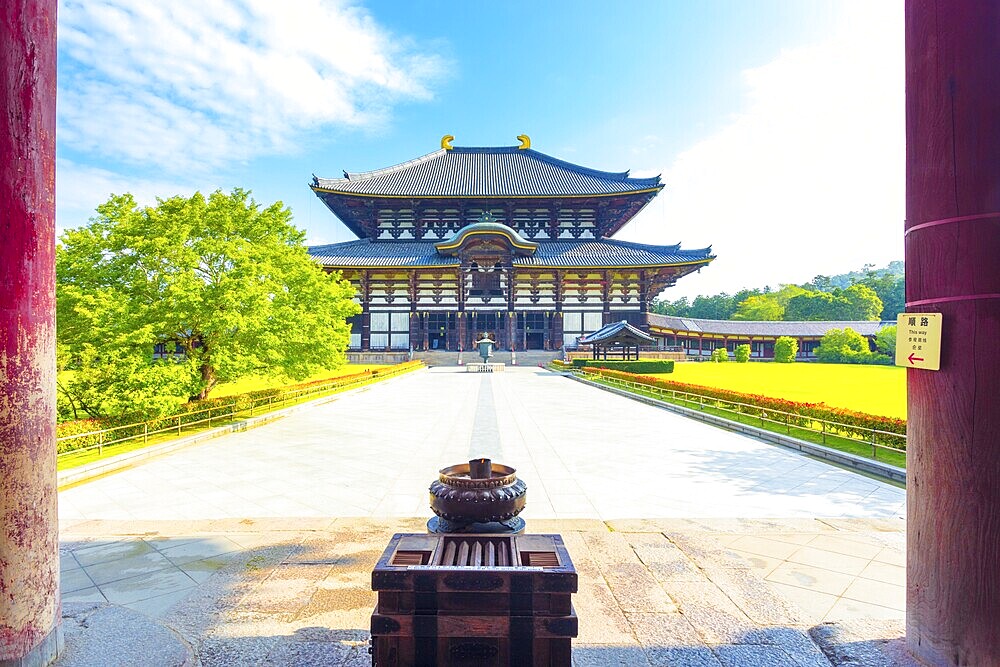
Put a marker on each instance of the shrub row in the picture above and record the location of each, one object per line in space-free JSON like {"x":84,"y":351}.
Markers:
{"x":720,"y":354}
{"x":854,"y":424}
{"x":640,"y":366}
{"x":193,"y":411}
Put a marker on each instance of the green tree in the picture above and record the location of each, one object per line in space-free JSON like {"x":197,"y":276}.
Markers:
{"x":819,"y":284}
{"x":742,"y":353}
{"x":763,"y":307}
{"x":720,"y":354}
{"x":787,"y":293}
{"x":891,"y":290}
{"x":857,"y":302}
{"x":717,"y":307}
{"x":678,"y":308}
{"x":846,"y":346}
{"x":862,"y":303}
{"x":811,"y":306}
{"x":885,"y":340}
{"x":785,"y":349}
{"x":227,"y":280}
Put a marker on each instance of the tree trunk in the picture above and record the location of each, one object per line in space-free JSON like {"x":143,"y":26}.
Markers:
{"x":208,"y":378}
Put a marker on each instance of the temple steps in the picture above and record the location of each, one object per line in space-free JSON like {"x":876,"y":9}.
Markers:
{"x":528,"y":358}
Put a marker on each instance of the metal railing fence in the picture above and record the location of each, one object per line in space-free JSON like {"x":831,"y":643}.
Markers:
{"x":240,"y":407}
{"x":778,"y":418}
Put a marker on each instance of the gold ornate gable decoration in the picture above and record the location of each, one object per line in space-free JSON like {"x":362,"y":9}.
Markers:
{"x":446,"y":141}
{"x":525,"y":141}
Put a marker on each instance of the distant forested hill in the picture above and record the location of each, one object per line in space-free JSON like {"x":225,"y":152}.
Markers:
{"x":845,"y":280}
{"x":867,"y":294}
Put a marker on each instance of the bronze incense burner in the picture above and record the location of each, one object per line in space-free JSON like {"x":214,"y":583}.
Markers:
{"x":477,"y":497}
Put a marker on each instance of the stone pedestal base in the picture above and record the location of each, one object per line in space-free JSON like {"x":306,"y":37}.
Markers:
{"x":513,"y":526}
{"x":484,"y":368}
{"x":42,"y":655}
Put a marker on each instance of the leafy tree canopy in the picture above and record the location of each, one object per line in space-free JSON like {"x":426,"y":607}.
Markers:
{"x":885,"y":340}
{"x":767,"y":306}
{"x":847,"y":346}
{"x":759,"y":307}
{"x":890,"y":290}
{"x":857,"y":302}
{"x":832,"y":299}
{"x":785,"y":349}
{"x":228,"y":281}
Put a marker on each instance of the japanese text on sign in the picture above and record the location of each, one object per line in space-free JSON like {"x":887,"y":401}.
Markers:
{"x":918,"y":340}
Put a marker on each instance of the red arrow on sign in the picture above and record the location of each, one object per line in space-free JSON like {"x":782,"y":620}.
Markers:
{"x":912,"y":358}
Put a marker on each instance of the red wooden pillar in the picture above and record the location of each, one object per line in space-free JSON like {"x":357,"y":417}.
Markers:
{"x":30,"y":630}
{"x":953,"y":267}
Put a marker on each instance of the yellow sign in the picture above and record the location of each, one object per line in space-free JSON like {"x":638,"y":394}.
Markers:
{"x":918,"y":340}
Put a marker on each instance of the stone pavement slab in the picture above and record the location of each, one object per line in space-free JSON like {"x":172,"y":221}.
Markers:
{"x":114,"y":636}
{"x":584,"y":453}
{"x":694,"y":546}
{"x":300,"y":594}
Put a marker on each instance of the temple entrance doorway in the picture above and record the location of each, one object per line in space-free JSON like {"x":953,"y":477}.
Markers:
{"x":483,"y":323}
{"x":531,"y":330}
{"x":437,"y":331}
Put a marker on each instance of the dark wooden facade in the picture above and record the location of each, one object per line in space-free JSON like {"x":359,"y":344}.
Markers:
{"x":433,"y":271}
{"x":528,"y":309}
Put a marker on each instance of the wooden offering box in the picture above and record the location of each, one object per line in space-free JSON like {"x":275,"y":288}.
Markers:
{"x":473,"y":599}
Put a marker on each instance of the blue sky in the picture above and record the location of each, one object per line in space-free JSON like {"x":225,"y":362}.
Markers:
{"x":777,"y":126}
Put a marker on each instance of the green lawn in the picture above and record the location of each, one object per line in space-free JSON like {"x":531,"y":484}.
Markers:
{"x":878,"y":390}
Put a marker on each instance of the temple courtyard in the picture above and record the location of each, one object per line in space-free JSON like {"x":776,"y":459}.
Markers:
{"x":694,"y":545}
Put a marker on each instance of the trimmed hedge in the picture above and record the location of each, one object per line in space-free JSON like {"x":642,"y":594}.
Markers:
{"x":192,"y":411}
{"x":720,"y":354}
{"x":641,"y":366}
{"x":855,"y":424}
{"x":785,"y":349}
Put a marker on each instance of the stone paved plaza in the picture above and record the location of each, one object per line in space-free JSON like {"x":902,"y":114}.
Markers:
{"x":694,"y":545}
{"x":583,"y":453}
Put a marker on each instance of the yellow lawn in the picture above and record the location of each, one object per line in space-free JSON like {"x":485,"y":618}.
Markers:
{"x":244,"y":385}
{"x":878,"y":390}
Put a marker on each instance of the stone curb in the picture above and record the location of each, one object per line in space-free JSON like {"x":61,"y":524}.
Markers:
{"x":868,"y":466}
{"x":112,"y":464}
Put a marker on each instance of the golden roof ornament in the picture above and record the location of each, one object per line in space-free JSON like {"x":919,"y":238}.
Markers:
{"x":446,"y":142}
{"x":525,"y":142}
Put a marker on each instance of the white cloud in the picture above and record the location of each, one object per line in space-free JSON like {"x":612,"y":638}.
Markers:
{"x":191,"y":84}
{"x":809,"y":177}
{"x":80,"y":188}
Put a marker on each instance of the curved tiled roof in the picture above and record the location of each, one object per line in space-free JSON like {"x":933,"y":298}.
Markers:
{"x":759,"y":328}
{"x":615,"y":330}
{"x":486,"y":172}
{"x":609,"y":252}
{"x":595,"y":253}
{"x":521,"y":245}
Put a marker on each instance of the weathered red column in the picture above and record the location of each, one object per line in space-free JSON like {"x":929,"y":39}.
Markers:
{"x":953,"y":267}
{"x":29,"y":532}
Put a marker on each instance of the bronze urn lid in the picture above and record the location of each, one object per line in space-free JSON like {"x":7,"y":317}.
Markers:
{"x":478,"y":496}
